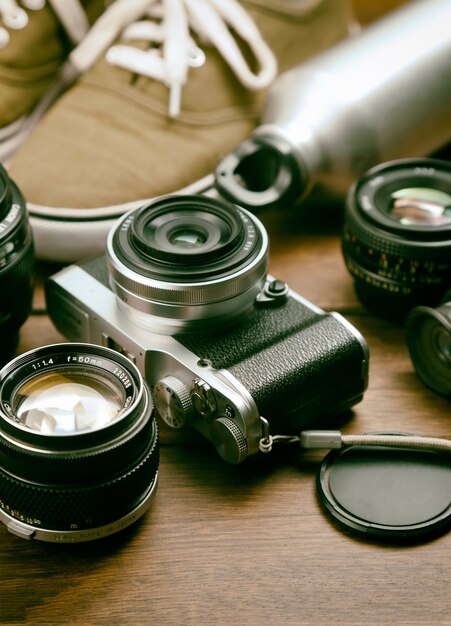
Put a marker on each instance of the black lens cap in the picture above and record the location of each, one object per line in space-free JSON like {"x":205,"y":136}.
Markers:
{"x":387,"y":493}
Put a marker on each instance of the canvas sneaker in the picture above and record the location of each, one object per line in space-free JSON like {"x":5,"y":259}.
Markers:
{"x":36,"y":37}
{"x":165,"y":90}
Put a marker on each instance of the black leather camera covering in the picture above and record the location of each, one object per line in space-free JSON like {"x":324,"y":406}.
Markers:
{"x":300,"y":366}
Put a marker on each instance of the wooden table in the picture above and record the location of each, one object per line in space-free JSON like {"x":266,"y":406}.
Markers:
{"x":250,"y":544}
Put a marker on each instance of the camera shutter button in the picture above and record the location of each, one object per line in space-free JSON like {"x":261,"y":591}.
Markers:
{"x":173,"y":402}
{"x":203,"y":398}
{"x":229,"y":441}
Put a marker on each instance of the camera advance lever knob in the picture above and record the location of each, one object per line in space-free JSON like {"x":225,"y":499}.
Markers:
{"x":173,"y":402}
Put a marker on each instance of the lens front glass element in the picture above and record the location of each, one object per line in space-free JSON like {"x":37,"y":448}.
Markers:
{"x":193,"y":231}
{"x":67,"y":402}
{"x":421,"y":205}
{"x":187,"y":238}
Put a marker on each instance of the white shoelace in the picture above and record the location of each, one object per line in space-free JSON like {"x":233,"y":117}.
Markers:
{"x":70,"y":13}
{"x":14,"y":17}
{"x":168,"y":23}
{"x":164,"y":22}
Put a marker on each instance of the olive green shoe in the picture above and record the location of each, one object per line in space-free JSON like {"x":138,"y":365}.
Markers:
{"x":35,"y":39}
{"x":131,"y":129}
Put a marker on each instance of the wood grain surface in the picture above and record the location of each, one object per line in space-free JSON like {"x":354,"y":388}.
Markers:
{"x":250,"y":545}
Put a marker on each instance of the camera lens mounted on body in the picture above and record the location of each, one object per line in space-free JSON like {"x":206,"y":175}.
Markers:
{"x":16,"y":264}
{"x":397,"y":235}
{"x":187,"y":259}
{"x":78,"y":443}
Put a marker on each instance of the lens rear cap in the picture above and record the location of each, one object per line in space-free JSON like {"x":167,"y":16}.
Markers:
{"x":391,"y":494}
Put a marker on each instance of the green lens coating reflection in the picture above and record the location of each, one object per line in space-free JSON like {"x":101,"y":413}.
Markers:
{"x":421,"y":205}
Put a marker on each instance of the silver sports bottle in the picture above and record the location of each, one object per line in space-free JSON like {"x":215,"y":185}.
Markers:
{"x":381,"y":94}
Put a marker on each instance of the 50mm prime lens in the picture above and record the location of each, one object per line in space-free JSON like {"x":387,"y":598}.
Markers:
{"x":397,"y":235}
{"x":78,"y":443}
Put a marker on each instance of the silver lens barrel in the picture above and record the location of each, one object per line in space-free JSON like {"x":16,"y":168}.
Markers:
{"x":188,"y":259}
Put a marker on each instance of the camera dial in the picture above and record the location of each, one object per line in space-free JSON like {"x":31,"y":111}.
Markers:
{"x":173,"y":402}
{"x":397,"y":235}
{"x":180,"y":405}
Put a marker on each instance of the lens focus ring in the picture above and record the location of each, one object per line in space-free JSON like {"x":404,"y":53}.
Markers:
{"x":63,"y":507}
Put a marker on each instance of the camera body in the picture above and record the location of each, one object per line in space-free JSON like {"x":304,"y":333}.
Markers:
{"x":279,"y":361}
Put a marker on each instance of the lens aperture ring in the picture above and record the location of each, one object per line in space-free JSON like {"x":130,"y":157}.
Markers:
{"x":373,"y":240}
{"x":396,"y":262}
{"x":63,"y":507}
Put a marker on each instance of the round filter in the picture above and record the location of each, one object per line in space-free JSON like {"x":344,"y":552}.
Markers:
{"x":387,"y":493}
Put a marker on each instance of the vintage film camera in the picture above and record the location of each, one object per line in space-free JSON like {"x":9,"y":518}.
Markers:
{"x":183,"y":291}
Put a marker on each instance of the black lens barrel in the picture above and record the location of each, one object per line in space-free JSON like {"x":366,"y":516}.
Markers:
{"x":16,"y":264}
{"x":397,"y":265}
{"x":77,"y":482}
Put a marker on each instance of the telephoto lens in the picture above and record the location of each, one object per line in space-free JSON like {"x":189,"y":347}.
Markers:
{"x":78,"y":443}
{"x":428,"y":334}
{"x":397,"y":235}
{"x":16,"y":265}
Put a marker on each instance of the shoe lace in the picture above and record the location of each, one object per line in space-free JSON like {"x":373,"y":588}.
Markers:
{"x":14,"y":17}
{"x":169,"y":23}
{"x":70,"y":13}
